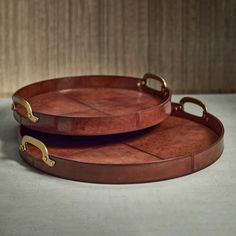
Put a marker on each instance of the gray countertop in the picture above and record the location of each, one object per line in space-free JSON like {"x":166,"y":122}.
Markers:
{"x":204,"y":203}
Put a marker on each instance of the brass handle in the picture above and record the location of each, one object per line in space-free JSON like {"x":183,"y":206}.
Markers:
{"x":26,"y":105}
{"x":195,"y":101}
{"x":40,"y":145}
{"x":155,"y":77}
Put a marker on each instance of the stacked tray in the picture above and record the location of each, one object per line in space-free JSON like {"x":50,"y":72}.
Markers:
{"x":113,"y":129}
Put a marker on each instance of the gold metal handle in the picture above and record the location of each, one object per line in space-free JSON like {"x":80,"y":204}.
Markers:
{"x":155,"y":77}
{"x":26,"y":105}
{"x":40,"y":145}
{"x":195,"y":101}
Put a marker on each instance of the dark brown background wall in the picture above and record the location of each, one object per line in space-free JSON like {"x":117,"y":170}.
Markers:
{"x":191,"y":43}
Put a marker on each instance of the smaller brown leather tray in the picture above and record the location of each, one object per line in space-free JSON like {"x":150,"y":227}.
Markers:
{"x":182,"y":144}
{"x":92,"y":105}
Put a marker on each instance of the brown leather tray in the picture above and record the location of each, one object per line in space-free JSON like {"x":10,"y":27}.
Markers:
{"x":92,"y":105}
{"x":182,"y":144}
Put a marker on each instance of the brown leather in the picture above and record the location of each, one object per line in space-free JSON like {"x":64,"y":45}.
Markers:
{"x":180,"y":145}
{"x":93,"y":105}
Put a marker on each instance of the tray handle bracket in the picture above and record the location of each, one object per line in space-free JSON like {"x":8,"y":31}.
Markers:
{"x":155,"y":77}
{"x":195,"y":101}
{"x":40,"y":145}
{"x":26,"y":105}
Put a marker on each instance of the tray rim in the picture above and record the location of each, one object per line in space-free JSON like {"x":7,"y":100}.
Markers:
{"x":163,"y":102}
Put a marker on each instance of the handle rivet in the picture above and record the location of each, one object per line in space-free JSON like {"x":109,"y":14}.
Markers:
{"x":206,"y":117}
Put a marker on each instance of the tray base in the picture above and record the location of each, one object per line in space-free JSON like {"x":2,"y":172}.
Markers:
{"x":180,"y":145}
{"x":93,"y":102}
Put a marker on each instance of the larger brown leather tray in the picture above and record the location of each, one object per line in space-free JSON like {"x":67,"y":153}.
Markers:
{"x":92,"y":105}
{"x":182,"y":144}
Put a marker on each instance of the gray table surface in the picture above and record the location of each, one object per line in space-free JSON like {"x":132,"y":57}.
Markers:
{"x":204,"y":203}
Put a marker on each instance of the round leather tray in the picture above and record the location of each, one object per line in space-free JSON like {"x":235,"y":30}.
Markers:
{"x":181,"y":145}
{"x":92,"y":105}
